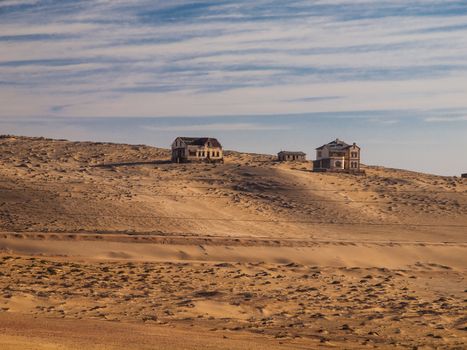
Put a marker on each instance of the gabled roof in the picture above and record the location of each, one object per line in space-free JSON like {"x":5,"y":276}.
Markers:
{"x":293,"y":153}
{"x":336,"y":145}
{"x":200,"y":141}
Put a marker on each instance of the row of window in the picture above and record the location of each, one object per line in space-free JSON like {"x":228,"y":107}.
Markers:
{"x":354,"y":165}
{"x":205,"y":154}
{"x":352,"y":154}
{"x":293,"y":157}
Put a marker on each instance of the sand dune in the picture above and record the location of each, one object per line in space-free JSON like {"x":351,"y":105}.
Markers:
{"x":113,"y":242}
{"x":335,"y":254}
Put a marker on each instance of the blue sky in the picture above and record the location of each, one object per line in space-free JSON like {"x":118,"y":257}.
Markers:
{"x":261,"y":75}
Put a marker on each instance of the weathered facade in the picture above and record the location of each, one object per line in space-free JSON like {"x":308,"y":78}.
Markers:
{"x":286,"y":156}
{"x":337,"y":156}
{"x":196,"y":149}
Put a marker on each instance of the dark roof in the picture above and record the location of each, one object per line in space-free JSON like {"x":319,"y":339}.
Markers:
{"x":336,"y":145}
{"x":293,"y":153}
{"x":201,"y":141}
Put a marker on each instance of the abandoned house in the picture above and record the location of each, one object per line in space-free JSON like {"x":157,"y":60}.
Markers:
{"x":464,"y":176}
{"x":196,"y":149}
{"x":337,"y":156}
{"x":286,"y":156}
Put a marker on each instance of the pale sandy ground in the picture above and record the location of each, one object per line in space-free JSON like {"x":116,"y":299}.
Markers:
{"x":34,"y":333}
{"x":107,"y":246}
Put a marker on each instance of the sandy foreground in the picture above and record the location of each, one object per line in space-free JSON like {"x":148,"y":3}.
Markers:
{"x":107,"y":246}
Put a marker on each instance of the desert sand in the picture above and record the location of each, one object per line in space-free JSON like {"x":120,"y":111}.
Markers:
{"x":110,"y":246}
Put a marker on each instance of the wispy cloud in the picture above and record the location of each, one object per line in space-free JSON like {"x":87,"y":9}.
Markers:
{"x":384,"y":121}
{"x":314,"y":98}
{"x":158,"y":58}
{"x":219,"y":127}
{"x":446,"y":119}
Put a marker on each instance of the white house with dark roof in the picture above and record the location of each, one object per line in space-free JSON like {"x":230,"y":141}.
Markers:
{"x":196,"y":149}
{"x":337,"y":156}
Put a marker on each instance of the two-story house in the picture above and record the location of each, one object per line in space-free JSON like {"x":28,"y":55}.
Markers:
{"x":337,"y":156}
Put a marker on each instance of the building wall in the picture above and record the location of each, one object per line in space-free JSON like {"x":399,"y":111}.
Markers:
{"x":290,"y":157}
{"x":337,"y":163}
{"x":323,"y":153}
{"x":202,"y":152}
{"x":195,"y":153}
{"x":353,"y":158}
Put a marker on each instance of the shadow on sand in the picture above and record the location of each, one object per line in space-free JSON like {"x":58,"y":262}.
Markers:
{"x":111,"y":165}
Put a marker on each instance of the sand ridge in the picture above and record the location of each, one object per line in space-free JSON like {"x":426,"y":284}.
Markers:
{"x":335,"y":254}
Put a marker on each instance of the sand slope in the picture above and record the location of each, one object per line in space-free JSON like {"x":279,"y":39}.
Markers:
{"x":110,"y":246}
{"x":60,"y":186}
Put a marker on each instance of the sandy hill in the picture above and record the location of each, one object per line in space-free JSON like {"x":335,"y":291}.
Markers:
{"x":61,"y":186}
{"x":110,"y":246}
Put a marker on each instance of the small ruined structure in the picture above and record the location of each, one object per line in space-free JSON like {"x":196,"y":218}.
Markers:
{"x":338,"y":156}
{"x":196,"y":149}
{"x":287,"y":156}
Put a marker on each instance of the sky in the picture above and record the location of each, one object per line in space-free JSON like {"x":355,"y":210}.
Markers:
{"x":261,"y":76}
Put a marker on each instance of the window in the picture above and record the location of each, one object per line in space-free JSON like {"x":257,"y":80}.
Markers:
{"x":354,"y":154}
{"x":319,"y":154}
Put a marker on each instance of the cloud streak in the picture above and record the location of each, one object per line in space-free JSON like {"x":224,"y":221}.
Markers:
{"x":159,"y":58}
{"x":446,"y":119}
{"x":218,"y":127}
